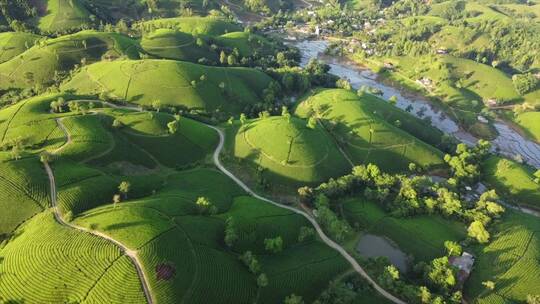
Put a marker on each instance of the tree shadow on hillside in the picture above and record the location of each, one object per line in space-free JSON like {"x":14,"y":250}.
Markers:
{"x":119,"y":226}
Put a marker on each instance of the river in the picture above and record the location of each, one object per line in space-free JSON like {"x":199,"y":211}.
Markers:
{"x":508,"y":142}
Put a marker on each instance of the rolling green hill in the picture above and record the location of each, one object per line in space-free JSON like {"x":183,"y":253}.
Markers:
{"x":530,"y":123}
{"x":39,"y":65}
{"x":287,"y":152}
{"x":212,"y":26}
{"x":166,"y":229}
{"x":63,"y":15}
{"x":49,"y":263}
{"x":173,"y":83}
{"x":512,"y":179}
{"x":350,"y":118}
{"x":15,"y":43}
{"x":172,"y":44}
{"x":510,"y":260}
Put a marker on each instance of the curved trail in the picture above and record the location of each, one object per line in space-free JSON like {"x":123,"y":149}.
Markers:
{"x":132,"y":254}
{"x":219,"y":165}
{"x":318,"y":228}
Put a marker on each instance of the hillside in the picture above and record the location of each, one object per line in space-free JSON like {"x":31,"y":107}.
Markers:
{"x":367,"y":137}
{"x":43,"y":63}
{"x":269,"y":152}
{"x":15,"y":43}
{"x":172,"y":83}
{"x":287,"y":152}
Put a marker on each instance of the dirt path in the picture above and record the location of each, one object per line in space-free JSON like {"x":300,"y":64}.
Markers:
{"x":58,"y":216}
{"x":318,"y":228}
{"x":219,"y":165}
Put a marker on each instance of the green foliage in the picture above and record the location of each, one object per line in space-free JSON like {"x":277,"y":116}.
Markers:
{"x":453,"y":248}
{"x":274,"y":245}
{"x":441,"y":275}
{"x":477,"y":231}
{"x":525,"y":83}
{"x":377,"y":141}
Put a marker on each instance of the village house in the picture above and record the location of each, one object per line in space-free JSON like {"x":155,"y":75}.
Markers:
{"x":482,"y":119}
{"x":425,"y":82}
{"x":492,"y":102}
{"x":442,"y":51}
{"x":464,"y":265}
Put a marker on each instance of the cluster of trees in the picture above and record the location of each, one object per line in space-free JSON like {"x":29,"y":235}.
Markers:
{"x":16,"y":146}
{"x":13,"y":96}
{"x":251,"y":262}
{"x":338,"y":228}
{"x":525,"y":83}
{"x":230,"y":232}
{"x":427,"y":282}
{"x":123,"y":189}
{"x":59,"y":106}
{"x":465,"y":163}
{"x":204,"y":206}
{"x":403,"y":195}
{"x":16,"y":12}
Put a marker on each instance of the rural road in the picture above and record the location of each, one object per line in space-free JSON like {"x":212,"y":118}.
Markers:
{"x":58,"y":216}
{"x":313,"y":222}
{"x":219,"y":165}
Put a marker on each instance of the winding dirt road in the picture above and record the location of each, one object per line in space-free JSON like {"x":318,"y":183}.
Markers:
{"x":58,"y":216}
{"x":313,"y":222}
{"x":219,"y":165}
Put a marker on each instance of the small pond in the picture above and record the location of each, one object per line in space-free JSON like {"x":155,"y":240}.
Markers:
{"x":371,"y":246}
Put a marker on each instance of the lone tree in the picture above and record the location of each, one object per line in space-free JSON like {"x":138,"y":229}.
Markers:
{"x":262,"y":280}
{"x":452,"y":248}
{"x":205,"y":206}
{"x":274,"y":245}
{"x":156,"y":104}
{"x":243,"y":118}
{"x":477,"y":231}
{"x":124,"y":188}
{"x":393,"y":100}
{"x":117,"y":124}
{"x":489,"y":285}
{"x":173,"y":126}
{"x":312,"y":123}
{"x":116,"y":199}
{"x":45,"y":157}
{"x":222,"y":57}
{"x":293,"y":299}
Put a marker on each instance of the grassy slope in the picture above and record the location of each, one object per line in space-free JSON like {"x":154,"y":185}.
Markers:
{"x":63,"y":15}
{"x":23,"y":192}
{"x":166,"y":228}
{"x":421,"y":236}
{"x":290,"y":152}
{"x":530,"y":122}
{"x":15,"y":43}
{"x":143,"y":82}
{"x":39,"y":64}
{"x":511,"y":260}
{"x":172,"y":44}
{"x":356,"y":116}
{"x":212,"y":26}
{"x":513,"y":179}
{"x":49,"y":263}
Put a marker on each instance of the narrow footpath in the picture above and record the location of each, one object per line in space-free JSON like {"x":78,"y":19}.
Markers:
{"x":313,"y":222}
{"x":58,"y":216}
{"x":219,"y":165}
